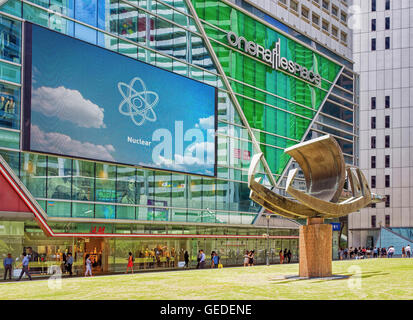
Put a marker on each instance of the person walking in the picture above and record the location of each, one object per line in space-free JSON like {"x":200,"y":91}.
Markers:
{"x":246,"y":258}
{"x":345,"y":253}
{"x":8,"y":266}
{"x":281,"y":256}
{"x":69,"y":263}
{"x":198,"y":259}
{"x":212,"y":259}
{"x":130,"y":262}
{"x":403,"y":252}
{"x":251,"y":258}
{"x":202,"y":260}
{"x":215,"y":259}
{"x":289,"y":256}
{"x":25,"y":266}
{"x":186,"y":258}
{"x":88,"y":266}
{"x":408,"y":251}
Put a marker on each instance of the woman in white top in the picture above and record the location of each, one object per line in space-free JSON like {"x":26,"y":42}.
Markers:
{"x":88,"y":266}
{"x":246,"y":258}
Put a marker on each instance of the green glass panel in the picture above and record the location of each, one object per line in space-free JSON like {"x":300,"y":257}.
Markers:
{"x":83,"y":210}
{"x":9,"y":139}
{"x":58,"y":209}
{"x":12,"y":7}
{"x":124,"y":212}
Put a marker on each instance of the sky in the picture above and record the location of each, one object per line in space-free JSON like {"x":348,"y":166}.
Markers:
{"x":80,"y":107}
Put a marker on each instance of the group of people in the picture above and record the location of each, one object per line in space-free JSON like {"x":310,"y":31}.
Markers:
{"x":249,"y":258}
{"x":370,"y":252}
{"x":286,"y":255}
{"x":215,"y":259}
{"x":7,"y":104}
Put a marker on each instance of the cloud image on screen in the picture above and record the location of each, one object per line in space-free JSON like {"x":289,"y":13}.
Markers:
{"x":88,"y":102}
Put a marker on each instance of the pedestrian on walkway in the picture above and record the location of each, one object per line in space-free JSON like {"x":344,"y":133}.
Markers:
{"x":8,"y":266}
{"x":25,"y":266}
{"x":88,"y":266}
{"x":246,"y":258}
{"x":281,"y":256}
{"x":408,"y":251}
{"x":198,"y":259}
{"x":69,"y":263}
{"x":186,"y":258}
{"x":202,"y":260}
{"x":130,"y":262}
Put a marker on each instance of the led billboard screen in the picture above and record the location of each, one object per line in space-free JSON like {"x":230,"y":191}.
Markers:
{"x":87,"y":102}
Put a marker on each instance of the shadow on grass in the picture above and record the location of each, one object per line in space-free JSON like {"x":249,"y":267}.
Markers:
{"x":344,"y":276}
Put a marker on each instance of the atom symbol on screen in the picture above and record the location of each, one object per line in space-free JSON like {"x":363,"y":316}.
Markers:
{"x":138,"y":103}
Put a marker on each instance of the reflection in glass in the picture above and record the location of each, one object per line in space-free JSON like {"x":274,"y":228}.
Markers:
{"x":59,"y":178}
{"x":10,"y":35}
{"x":83,"y":180}
{"x":33,"y":174}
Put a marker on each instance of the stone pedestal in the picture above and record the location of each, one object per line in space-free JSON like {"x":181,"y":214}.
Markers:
{"x":315,"y":249}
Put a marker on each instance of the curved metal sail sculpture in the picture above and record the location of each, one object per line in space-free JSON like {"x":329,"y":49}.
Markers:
{"x":324,"y":169}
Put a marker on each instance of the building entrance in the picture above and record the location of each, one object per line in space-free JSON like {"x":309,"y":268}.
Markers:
{"x":97,"y":249}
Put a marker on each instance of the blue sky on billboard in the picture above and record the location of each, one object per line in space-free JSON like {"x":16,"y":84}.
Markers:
{"x":92,"y":103}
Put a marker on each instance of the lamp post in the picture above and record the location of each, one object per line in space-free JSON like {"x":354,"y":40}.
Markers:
{"x":268,"y":216}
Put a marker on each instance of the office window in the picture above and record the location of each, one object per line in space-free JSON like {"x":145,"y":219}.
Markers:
{"x":373,"y":44}
{"x":344,"y":37}
{"x":387,"y":102}
{"x":387,"y":220}
{"x":325,"y":25}
{"x":387,"y":122}
{"x":326,"y":4}
{"x":387,"y":204}
{"x":373,"y":122}
{"x":373,"y":162}
{"x":387,"y":141}
{"x":373,"y":181}
{"x":387,"y":4}
{"x":387,"y":24}
{"x":305,"y":12}
{"x":334,"y":31}
{"x":315,"y":19}
{"x":373,"y":103}
{"x":387,"y":161}
{"x":373,"y":24}
{"x":387,"y":43}
{"x":373,"y":5}
{"x":373,"y":142}
{"x":373,"y":221}
{"x":294,"y":5}
{"x":334,"y":11}
{"x":387,"y":181}
{"x":343,"y":17}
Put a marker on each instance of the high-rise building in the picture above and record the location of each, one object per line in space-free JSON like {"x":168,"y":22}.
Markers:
{"x":277,"y":84}
{"x":383,"y":58}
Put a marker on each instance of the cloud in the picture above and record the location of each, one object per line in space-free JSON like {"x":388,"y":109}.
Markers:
{"x":68,"y":105}
{"x":206,"y":123}
{"x":59,"y":143}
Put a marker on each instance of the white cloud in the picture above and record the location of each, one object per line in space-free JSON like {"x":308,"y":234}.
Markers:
{"x":207,"y":123}
{"x":69,"y":105}
{"x":59,"y":143}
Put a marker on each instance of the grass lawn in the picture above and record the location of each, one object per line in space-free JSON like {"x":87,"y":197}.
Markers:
{"x":369,"y":279}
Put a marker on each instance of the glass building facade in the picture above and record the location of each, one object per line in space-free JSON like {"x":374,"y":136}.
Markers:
{"x":91,"y":197}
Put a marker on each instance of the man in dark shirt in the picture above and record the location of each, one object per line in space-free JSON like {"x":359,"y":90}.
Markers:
{"x":8,"y":266}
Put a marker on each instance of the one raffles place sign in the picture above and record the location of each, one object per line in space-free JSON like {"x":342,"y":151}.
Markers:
{"x":273,"y":57}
